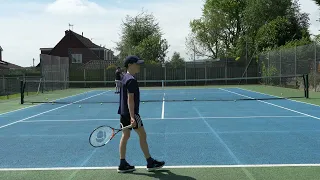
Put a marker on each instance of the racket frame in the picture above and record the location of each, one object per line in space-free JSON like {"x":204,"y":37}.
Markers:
{"x":114,"y":132}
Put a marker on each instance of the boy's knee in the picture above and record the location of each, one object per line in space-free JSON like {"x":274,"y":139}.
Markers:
{"x":126,"y":135}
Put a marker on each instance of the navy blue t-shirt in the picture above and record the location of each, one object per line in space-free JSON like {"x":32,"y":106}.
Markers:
{"x":128,"y":85}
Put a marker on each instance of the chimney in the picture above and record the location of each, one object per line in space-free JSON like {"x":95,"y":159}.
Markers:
{"x":82,"y":34}
{"x":0,"y":53}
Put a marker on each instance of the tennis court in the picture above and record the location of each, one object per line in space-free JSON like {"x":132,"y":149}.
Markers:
{"x":209,"y":132}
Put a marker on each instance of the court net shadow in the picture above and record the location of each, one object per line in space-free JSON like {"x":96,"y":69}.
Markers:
{"x":164,"y":175}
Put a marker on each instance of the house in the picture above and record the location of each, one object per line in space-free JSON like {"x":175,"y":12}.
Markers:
{"x":7,"y":65}
{"x":79,"y":49}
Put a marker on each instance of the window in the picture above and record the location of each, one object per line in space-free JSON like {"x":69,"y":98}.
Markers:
{"x":76,"y":58}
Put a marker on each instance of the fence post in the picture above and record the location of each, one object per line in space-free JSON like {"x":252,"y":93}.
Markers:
{"x":185,"y":73}
{"x":295,"y":60}
{"x":226,"y":71}
{"x":165,"y":73}
{"x":280,"y":67}
{"x":205,"y":72}
{"x":84,"y":77}
{"x":4,"y":84}
{"x":104,"y":76}
{"x":145,"y":76}
{"x":315,"y":67}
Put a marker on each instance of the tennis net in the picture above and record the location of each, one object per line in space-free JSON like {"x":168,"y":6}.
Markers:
{"x":224,"y":89}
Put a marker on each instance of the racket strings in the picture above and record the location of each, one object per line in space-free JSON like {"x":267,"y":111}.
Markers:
{"x":101,"y":136}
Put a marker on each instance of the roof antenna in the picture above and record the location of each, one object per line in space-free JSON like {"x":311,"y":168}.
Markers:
{"x":71,"y":25}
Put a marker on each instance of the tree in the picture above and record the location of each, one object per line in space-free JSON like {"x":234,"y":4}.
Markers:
{"x":317,"y":1}
{"x":176,"y":60}
{"x":141,"y":36}
{"x":219,"y":28}
{"x":274,"y":34}
{"x":317,"y":39}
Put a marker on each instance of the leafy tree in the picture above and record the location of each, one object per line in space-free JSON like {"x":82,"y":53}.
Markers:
{"x":141,"y":36}
{"x":219,"y":28}
{"x":317,"y":1}
{"x":176,"y":60}
{"x":317,"y":39}
{"x":239,"y":28}
{"x":274,"y":34}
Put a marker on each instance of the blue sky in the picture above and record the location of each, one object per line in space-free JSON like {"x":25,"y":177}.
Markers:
{"x":27,"y":26}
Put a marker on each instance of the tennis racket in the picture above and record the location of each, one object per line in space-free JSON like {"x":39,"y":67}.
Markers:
{"x":101,"y":135}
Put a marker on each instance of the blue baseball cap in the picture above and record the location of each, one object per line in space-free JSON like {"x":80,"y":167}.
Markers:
{"x":132,"y":60}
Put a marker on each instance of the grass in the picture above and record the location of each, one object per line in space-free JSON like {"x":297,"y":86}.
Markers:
{"x":213,"y":173}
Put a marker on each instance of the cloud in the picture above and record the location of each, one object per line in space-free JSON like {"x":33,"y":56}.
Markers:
{"x":312,"y":9}
{"x":28,"y":26}
{"x":74,"y":7}
{"x":39,"y":25}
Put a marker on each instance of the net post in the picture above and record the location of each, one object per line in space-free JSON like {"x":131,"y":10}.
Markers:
{"x":306,"y":83}
{"x":21,"y":92}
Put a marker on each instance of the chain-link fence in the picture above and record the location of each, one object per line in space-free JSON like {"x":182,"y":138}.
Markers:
{"x":54,"y":68}
{"x":94,"y":64}
{"x":10,"y":80}
{"x":293,"y":61}
{"x":186,"y":71}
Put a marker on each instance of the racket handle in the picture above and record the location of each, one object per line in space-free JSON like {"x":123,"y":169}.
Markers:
{"x":127,"y":127}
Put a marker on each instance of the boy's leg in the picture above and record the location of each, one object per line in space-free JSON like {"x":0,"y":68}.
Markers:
{"x":124,"y":165}
{"x":152,"y":164}
{"x":116,"y":83}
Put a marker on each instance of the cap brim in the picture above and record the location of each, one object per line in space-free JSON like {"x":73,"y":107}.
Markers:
{"x":140,"y":61}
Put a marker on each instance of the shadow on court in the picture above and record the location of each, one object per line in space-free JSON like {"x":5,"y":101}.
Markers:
{"x":164,"y":175}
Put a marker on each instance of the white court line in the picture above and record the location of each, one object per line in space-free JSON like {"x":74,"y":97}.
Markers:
{"x":293,"y":131}
{"x":279,"y":97}
{"x":42,"y":103}
{"x":161,"y":133}
{"x":273,"y":104}
{"x":85,"y":134}
{"x":162,"y":112}
{"x":49,"y":111}
{"x":82,"y":164}
{"x":168,"y":118}
{"x":165,"y":167}
{"x":249,"y":175}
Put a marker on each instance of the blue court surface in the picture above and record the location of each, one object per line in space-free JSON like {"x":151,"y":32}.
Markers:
{"x":188,"y":133}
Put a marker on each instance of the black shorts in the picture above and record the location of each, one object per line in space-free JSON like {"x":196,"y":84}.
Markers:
{"x":125,"y":120}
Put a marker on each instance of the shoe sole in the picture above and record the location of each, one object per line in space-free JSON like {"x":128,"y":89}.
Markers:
{"x":153,"y":169}
{"x":126,"y":171}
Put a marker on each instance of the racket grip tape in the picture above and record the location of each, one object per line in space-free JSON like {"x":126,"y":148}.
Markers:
{"x":127,"y":127}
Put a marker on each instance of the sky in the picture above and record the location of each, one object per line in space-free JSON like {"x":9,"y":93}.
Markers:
{"x":26,"y":26}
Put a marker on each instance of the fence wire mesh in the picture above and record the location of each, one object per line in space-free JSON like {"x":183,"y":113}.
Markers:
{"x":82,"y":64}
{"x":292,"y":61}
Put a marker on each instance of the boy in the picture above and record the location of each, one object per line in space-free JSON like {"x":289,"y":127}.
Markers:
{"x":117,"y":80}
{"x":129,"y":112}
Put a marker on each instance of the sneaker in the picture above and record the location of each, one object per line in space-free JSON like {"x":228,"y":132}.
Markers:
{"x":126,"y":168}
{"x":155,"y":165}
